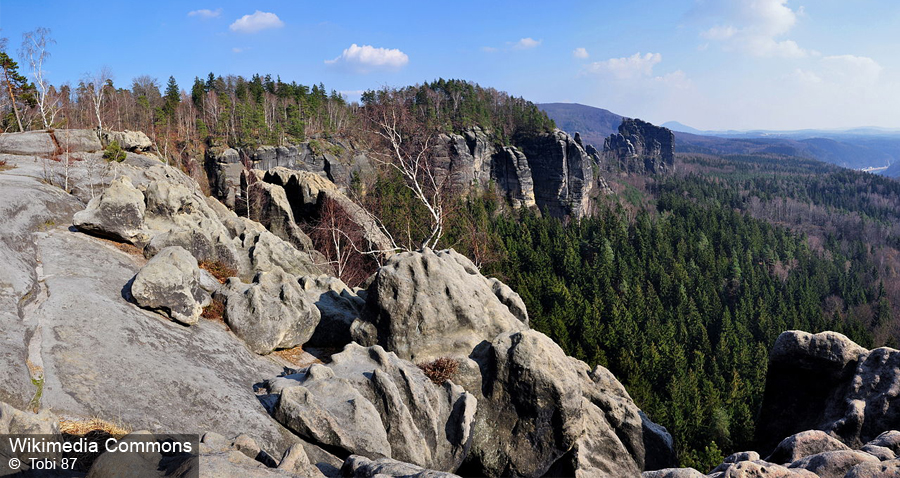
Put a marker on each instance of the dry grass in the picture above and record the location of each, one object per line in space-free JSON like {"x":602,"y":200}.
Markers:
{"x":95,"y":430}
{"x":4,"y":166}
{"x":218,"y":269}
{"x":440,"y":370}
{"x":297,"y":356}
{"x":214,"y":311}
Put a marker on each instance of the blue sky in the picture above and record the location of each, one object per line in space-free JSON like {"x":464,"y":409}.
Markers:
{"x":711,"y":64}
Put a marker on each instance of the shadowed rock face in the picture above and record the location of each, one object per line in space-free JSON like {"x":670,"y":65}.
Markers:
{"x":825,"y":381}
{"x":641,"y":147}
{"x":563,"y":173}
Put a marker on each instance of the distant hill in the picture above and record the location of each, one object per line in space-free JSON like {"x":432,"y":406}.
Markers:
{"x":594,"y":124}
{"x":856,"y":149}
{"x":680,"y":128}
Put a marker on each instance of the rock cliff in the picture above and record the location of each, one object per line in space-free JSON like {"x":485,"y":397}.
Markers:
{"x":641,"y":147}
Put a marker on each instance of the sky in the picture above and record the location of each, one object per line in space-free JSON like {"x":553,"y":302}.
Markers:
{"x":709,"y":64}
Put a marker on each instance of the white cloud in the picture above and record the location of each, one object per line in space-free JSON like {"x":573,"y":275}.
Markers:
{"x":488,"y":49}
{"x":239,"y":50}
{"x":526,"y":44}
{"x":580,"y":53}
{"x":756,"y":28}
{"x":205,"y":13}
{"x":852,"y":71}
{"x":256,"y":22}
{"x":634,"y":66}
{"x":366,"y":58}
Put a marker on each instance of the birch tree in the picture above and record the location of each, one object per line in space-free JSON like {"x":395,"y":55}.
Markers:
{"x":34,"y":50}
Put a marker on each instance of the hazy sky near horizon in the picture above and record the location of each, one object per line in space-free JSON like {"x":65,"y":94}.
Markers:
{"x":710,"y":64}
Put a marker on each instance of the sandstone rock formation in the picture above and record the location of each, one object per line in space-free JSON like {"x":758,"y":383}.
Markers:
{"x":370,"y":402}
{"x":563,"y":174}
{"x":339,"y":307}
{"x":170,"y":282}
{"x":640,"y":147}
{"x":128,"y":140}
{"x":117,"y":213}
{"x":271,"y":313}
{"x":826,"y":382}
{"x":434,"y":304}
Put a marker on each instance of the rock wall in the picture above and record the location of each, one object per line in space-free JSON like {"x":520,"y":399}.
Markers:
{"x":641,"y":147}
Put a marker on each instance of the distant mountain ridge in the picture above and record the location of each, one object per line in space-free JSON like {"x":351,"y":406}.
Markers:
{"x":858,"y":148}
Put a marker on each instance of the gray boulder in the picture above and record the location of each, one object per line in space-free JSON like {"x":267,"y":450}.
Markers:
{"x":117,"y":213}
{"x":271,"y":313}
{"x":361,"y":467}
{"x":78,"y":140}
{"x":870,"y":469}
{"x":833,"y":464}
{"x":673,"y":473}
{"x":128,"y":140}
{"x":889,"y":439}
{"x":370,"y":402}
{"x":170,"y":282}
{"x":339,"y":307}
{"x":17,"y":422}
{"x":804,"y":444}
{"x":761,"y":469}
{"x":30,"y":143}
{"x":543,"y":412}
{"x":427,"y":305}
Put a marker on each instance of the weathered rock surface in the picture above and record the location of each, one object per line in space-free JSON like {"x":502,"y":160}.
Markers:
{"x":128,"y":140}
{"x":117,"y":213}
{"x":563,"y":174}
{"x":31,"y":143}
{"x":833,"y":464}
{"x":542,"y":409}
{"x":170,"y":282}
{"x":640,"y":147}
{"x":78,"y":140}
{"x":673,"y":473}
{"x":804,"y":444}
{"x":427,"y":305}
{"x":339,"y":307}
{"x":361,"y":467}
{"x":272,"y":312}
{"x":825,"y":381}
{"x":369,"y":402}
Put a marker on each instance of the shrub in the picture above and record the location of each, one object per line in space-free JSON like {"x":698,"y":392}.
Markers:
{"x":214,"y":311}
{"x":440,"y":370}
{"x":218,"y":269}
{"x":114,"y":152}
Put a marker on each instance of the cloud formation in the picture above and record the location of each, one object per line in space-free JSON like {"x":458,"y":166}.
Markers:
{"x":367,"y":58}
{"x":256,"y":22}
{"x":580,"y":53}
{"x":756,"y":27}
{"x":526,"y":44}
{"x":205,"y":13}
{"x":634,"y":66}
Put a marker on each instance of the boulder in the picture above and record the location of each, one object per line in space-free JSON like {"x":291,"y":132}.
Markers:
{"x":361,"y":467}
{"x":804,"y":444}
{"x":17,"y":422}
{"x":339,"y":307}
{"x":30,"y":143}
{"x":273,"y":211}
{"x":543,"y":412}
{"x":833,"y":464}
{"x":270,"y":313}
{"x":170,"y":282}
{"x":371,"y":403}
{"x":78,"y":140}
{"x":426,"y":305}
{"x":128,"y":140}
{"x":807,"y":386}
{"x":870,"y":469}
{"x":761,"y":469}
{"x":889,"y":439}
{"x":117,"y":213}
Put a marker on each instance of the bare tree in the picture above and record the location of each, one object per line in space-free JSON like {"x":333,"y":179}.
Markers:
{"x":34,"y":49}
{"x":404,"y":143}
{"x":96,"y":84}
{"x":342,"y":241}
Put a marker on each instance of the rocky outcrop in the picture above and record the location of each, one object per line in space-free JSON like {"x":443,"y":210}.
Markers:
{"x":170,"y":282}
{"x":371,"y":403}
{"x":117,"y":213}
{"x":307,"y":194}
{"x":641,"y":147}
{"x":426,"y":305}
{"x":271,"y":313}
{"x":128,"y":140}
{"x":361,"y":467}
{"x":512,"y":173}
{"x":825,"y":381}
{"x":562,"y":171}
{"x":339,"y":307}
